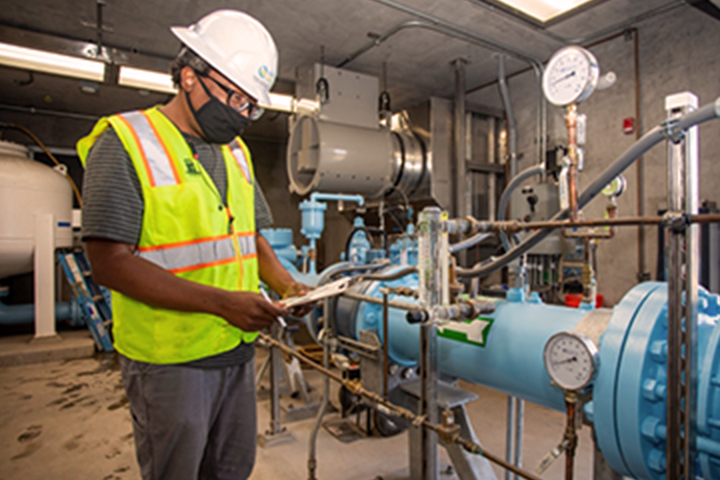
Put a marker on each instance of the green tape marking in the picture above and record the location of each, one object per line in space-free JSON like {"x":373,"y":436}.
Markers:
{"x":473,"y":332}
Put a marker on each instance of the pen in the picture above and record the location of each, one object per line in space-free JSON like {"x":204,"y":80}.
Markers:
{"x":267,"y":297}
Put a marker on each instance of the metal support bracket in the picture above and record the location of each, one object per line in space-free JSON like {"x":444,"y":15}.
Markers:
{"x":676,"y":222}
{"x":671,"y":132}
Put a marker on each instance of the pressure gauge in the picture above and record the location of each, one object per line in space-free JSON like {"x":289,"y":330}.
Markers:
{"x":571,"y":76}
{"x":570,"y":359}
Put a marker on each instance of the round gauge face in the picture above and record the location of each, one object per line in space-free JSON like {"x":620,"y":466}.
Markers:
{"x":570,"y":360}
{"x":571,"y":76}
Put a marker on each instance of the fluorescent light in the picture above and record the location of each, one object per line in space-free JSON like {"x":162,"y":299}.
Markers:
{"x":48,"y":62}
{"x":544,"y":10}
{"x":162,"y":82}
{"x":146,"y":80}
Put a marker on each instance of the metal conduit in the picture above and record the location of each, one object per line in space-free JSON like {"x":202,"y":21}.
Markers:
{"x":649,"y":140}
{"x":446,"y":28}
{"x":461,"y":32}
{"x":512,"y":124}
{"x":505,"y":197}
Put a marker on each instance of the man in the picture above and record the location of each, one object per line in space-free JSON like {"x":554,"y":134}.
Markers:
{"x":169,"y":218}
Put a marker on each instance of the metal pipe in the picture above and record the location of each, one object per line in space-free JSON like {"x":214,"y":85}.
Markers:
{"x":512,"y":125}
{"x":403,"y":272}
{"x":410,"y":307}
{"x":519,"y":427}
{"x":640,"y":166}
{"x":339,"y":197}
{"x":51,"y":113}
{"x":571,"y":124}
{"x":22,"y":314}
{"x":515,"y":226}
{"x":507,"y":193}
{"x":386,"y":344}
{"x":275,"y":372}
{"x":325,"y":369}
{"x":439,"y":22}
{"x":510,"y":432}
{"x":462,"y":194}
{"x":683,"y":257}
{"x":649,"y":140}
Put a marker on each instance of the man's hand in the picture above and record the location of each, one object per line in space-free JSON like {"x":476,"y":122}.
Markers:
{"x":297,"y":289}
{"x":249,"y":311}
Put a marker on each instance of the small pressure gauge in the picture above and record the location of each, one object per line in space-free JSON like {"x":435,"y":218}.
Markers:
{"x":571,"y":76}
{"x":570,"y":359}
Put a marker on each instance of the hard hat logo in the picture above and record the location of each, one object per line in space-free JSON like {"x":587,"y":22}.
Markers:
{"x":265,"y":74}
{"x":237,"y":46}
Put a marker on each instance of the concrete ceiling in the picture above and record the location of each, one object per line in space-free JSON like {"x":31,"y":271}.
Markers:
{"x":418,"y":59}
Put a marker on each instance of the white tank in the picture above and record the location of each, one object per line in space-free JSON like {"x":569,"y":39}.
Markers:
{"x":26,"y":189}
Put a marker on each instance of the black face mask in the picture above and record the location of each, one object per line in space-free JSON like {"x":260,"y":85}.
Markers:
{"x":218,"y":122}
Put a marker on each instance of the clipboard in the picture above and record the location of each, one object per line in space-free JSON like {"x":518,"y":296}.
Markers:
{"x":338,"y":287}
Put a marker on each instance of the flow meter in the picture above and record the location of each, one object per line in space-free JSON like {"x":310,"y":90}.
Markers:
{"x":570,"y":360}
{"x":571,"y":76}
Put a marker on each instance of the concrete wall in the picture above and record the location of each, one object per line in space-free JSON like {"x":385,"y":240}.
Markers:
{"x":678,"y":51}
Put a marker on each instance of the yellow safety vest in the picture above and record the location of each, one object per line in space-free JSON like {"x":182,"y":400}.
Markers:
{"x":187,"y":230}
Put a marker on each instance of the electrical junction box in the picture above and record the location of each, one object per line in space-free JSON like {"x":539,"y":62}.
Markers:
{"x":534,"y":203}
{"x":352,"y":98}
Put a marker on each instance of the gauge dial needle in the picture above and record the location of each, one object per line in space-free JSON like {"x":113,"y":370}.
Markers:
{"x":571,"y":74}
{"x":571,"y":359}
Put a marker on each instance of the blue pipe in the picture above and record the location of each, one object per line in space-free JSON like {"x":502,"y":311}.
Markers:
{"x":508,"y":358}
{"x":318,"y":196}
{"x":629,"y":388}
{"x":23,"y":314}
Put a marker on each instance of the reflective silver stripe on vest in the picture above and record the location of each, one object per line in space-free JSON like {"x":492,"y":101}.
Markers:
{"x":186,"y":256}
{"x":158,"y":161}
{"x":242,"y":161}
{"x":247,"y":245}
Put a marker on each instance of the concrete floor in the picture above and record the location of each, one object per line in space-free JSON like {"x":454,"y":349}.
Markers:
{"x":69,"y":420}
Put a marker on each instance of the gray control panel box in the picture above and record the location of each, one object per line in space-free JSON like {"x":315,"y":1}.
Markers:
{"x":533,"y":203}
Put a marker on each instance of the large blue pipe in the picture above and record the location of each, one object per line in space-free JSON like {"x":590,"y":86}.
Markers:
{"x":629,"y":400}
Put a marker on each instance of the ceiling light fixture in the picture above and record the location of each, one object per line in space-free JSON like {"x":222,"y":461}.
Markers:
{"x":48,"y":62}
{"x":544,"y":10}
{"x":162,"y":82}
{"x":146,"y":80}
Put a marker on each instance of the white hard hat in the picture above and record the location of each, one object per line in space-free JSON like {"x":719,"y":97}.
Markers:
{"x":237,"y":46}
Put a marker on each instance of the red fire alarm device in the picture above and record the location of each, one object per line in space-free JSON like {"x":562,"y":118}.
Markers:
{"x":628,"y":125}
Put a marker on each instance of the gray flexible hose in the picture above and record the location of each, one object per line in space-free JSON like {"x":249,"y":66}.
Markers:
{"x":505,"y":197}
{"x":469,"y":242}
{"x":649,"y":140}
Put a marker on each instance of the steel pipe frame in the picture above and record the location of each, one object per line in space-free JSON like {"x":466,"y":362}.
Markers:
{"x":682,"y":261}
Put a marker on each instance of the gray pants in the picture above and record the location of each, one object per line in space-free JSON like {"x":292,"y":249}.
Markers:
{"x":192,"y":423}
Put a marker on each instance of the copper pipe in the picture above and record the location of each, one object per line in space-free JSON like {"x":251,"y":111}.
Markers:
{"x":386,"y":343}
{"x":515,"y":226}
{"x":570,"y":434}
{"x":571,"y":124}
{"x":448,"y":432}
